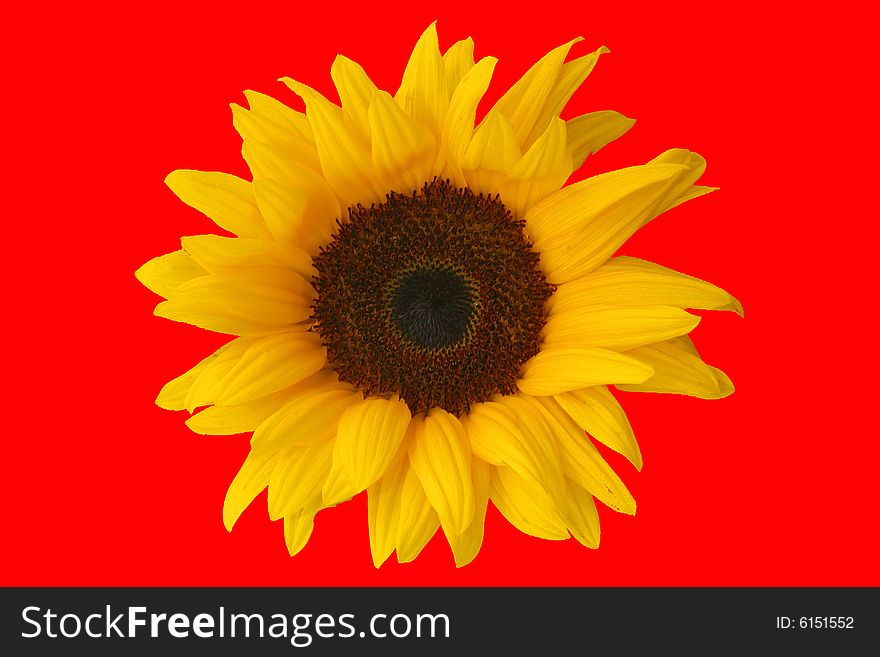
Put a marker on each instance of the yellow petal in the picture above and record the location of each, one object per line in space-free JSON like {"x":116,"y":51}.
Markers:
{"x":458,"y":127}
{"x":216,"y":254}
{"x":240,"y":418}
{"x":298,"y":476}
{"x":345,"y":159}
{"x":685,"y":190}
{"x":626,"y":281}
{"x":679,"y":370}
{"x":174,"y":394}
{"x":369,"y":437}
{"x":355,"y":92}
{"x":282,"y":141}
{"x":172,"y":397}
{"x":403,"y":150}
{"x":248,"y":416}
{"x":423,"y":93}
{"x":582,"y":225}
{"x":279,"y":113}
{"x":163,"y":275}
{"x":311,"y":417}
{"x":226,"y":200}
{"x":271,"y":364}
{"x":588,"y":133}
{"x":491,"y":154}
{"x":298,"y":527}
{"x":540,"y":434}
{"x":383,"y":510}
{"x":504,"y":433}
{"x":541,"y":171}
{"x":525,"y":505}
{"x":560,"y":369}
{"x":524,"y":102}
{"x":571,"y":75}
{"x":597,"y":412}
{"x":299,"y":215}
{"x":268,"y":163}
{"x":457,"y":61}
{"x":466,"y":545}
{"x":580,"y":515}
{"x":493,"y":146}
{"x":252,"y":478}
{"x":203,"y":389}
{"x":581,"y":461}
{"x":418,"y":521}
{"x":251,"y":301}
{"x":598,"y":200}
{"x":497,"y":438}
{"x":337,"y":487}
{"x":440,"y":454}
{"x":616,"y":328}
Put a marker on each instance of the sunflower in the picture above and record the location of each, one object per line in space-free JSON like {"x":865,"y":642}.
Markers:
{"x":422,"y":309}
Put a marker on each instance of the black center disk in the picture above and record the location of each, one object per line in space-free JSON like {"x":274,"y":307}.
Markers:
{"x":433,"y":307}
{"x":436,"y":297}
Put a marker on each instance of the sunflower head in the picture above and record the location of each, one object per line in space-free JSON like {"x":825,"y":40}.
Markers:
{"x":423,"y":310}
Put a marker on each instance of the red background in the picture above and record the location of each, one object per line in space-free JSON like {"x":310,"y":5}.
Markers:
{"x":775,"y":485}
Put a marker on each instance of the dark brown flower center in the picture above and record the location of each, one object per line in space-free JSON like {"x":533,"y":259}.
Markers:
{"x":436,"y":297}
